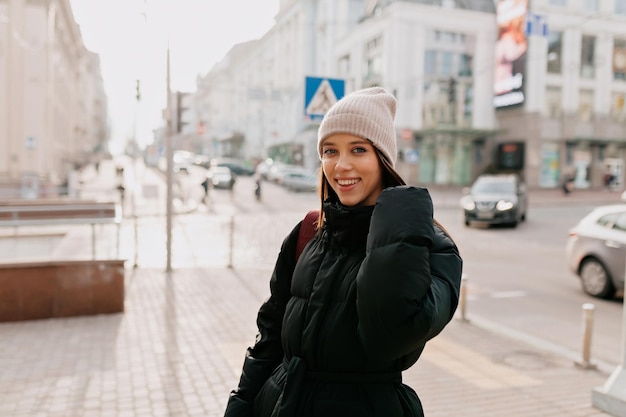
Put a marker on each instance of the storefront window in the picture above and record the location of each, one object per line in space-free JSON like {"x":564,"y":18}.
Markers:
{"x":620,"y":6}
{"x":554,"y":52}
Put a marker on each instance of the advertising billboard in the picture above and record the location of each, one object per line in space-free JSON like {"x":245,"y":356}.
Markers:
{"x":510,"y":53}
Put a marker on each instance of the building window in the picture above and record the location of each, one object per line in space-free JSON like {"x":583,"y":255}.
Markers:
{"x":465,"y":65}
{"x":344,"y":65}
{"x":618,"y":112}
{"x":558,"y":2}
{"x":430,"y":62}
{"x":373,"y":67}
{"x":620,"y":6}
{"x":446,"y":63}
{"x":554,"y":52}
{"x":590,"y":5}
{"x":451,"y":55}
{"x":373,"y":60}
{"x":553,"y":102}
{"x":619,"y":59}
{"x":585,"y":105}
{"x":587,"y":64}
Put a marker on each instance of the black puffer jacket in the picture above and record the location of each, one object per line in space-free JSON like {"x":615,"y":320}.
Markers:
{"x":364,"y":298}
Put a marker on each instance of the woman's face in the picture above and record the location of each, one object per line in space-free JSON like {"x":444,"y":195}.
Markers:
{"x":351,"y":166}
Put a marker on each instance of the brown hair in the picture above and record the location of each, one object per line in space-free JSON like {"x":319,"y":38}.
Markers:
{"x":390,"y":179}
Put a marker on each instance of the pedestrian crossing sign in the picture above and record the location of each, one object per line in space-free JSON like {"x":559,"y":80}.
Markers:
{"x":320,"y":94}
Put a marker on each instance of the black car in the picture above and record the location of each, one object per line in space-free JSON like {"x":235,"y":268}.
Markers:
{"x":236,"y":166}
{"x":496,"y":199}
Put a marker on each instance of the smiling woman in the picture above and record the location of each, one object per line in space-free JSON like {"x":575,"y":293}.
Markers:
{"x":131,"y":38}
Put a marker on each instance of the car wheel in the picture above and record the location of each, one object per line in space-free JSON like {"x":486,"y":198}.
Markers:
{"x":595,"y":279}
{"x":467,"y":222}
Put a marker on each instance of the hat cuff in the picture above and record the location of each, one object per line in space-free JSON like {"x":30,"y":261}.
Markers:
{"x":354,"y":124}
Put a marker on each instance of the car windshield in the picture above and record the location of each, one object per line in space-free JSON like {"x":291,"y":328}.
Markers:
{"x":495,"y":187}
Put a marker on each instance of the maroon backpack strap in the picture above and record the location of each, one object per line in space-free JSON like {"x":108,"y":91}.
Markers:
{"x":307,"y":231}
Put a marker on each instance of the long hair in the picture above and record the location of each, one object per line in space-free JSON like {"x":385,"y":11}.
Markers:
{"x":390,"y":179}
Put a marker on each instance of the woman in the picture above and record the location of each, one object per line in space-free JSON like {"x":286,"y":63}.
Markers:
{"x":379,"y":279}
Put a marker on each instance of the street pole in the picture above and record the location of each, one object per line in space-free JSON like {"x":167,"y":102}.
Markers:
{"x":611,"y":397}
{"x":169,"y":167}
{"x":135,"y":181}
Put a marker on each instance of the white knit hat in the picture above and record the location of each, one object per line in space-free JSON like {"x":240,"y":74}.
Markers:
{"x":367,"y":113}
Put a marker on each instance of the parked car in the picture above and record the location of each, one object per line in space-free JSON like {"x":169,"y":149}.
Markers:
{"x":221,"y":177}
{"x":236,"y":166}
{"x":299,"y":181}
{"x":596,"y":250}
{"x":496,"y":199}
{"x":182,"y":161}
{"x":278,"y":171}
{"x":263,"y":168}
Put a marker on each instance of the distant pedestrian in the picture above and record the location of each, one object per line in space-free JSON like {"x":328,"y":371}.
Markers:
{"x":122,"y":191}
{"x":257,"y":188}
{"x":358,"y":288}
{"x":205,"y":187}
{"x":567,"y":185}
{"x":609,"y":179}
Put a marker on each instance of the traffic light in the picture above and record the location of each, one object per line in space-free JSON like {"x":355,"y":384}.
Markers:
{"x":137,"y":91}
{"x":181,"y":109}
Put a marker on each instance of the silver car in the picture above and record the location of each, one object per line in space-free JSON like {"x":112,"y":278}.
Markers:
{"x":596,"y":250}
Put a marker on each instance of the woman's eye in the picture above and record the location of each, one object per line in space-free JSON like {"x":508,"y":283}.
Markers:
{"x":359,"y":150}
{"x":329,"y":151}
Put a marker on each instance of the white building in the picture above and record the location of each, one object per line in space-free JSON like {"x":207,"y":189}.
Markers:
{"x":53,"y":109}
{"x":561,"y":110}
{"x":253,"y":102}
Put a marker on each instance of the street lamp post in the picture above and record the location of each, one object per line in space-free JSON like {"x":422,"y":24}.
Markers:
{"x":169,"y":165}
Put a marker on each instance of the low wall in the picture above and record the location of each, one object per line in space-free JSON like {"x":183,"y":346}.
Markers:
{"x":38,"y":290}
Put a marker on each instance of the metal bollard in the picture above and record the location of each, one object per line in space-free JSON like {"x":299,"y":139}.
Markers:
{"x":588,"y":310}
{"x":463,"y":297}
{"x":231,"y":237}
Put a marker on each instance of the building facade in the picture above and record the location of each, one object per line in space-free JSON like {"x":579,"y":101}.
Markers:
{"x":573,"y":119}
{"x":482,"y":86}
{"x":53,"y":109}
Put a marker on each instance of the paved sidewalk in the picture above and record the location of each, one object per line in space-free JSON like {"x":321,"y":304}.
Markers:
{"x":178,"y":348}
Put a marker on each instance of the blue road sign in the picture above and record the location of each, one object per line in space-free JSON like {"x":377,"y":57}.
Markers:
{"x":320,"y":94}
{"x":536,"y":24}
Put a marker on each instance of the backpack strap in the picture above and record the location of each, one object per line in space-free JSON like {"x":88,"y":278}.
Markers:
{"x":308,"y":227}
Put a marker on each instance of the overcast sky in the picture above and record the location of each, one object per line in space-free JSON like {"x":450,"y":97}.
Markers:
{"x":131,"y":37}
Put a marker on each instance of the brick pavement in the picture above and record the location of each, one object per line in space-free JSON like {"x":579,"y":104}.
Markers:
{"x":178,"y":348}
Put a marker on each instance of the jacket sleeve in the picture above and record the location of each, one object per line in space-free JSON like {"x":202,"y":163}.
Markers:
{"x":267,"y":353}
{"x":408,"y":284}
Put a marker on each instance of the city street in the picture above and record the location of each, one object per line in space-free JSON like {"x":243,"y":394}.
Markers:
{"x":178,"y":347}
{"x":517,"y":278}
